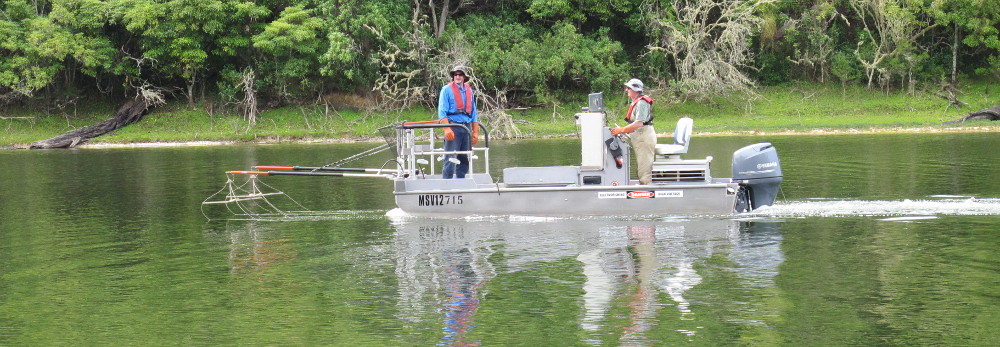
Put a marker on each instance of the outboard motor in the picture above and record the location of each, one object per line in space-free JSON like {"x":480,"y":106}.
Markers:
{"x":758,"y":171}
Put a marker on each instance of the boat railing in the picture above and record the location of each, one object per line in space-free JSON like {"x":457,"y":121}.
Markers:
{"x":412,"y":142}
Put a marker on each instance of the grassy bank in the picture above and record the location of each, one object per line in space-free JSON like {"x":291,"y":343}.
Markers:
{"x":782,"y":109}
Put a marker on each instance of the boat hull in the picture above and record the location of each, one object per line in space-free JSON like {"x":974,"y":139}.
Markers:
{"x":679,"y":199}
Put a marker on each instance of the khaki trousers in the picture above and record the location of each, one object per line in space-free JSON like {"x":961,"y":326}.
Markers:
{"x":644,"y":142}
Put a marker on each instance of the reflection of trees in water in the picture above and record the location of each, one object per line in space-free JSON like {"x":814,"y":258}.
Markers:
{"x":629,"y":269}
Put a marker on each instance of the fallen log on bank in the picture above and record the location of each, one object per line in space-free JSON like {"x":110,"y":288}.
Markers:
{"x":131,"y":112}
{"x":992,"y":113}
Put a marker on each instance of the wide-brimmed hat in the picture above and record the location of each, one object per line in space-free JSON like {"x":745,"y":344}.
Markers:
{"x":634,"y":84}
{"x":457,"y":69}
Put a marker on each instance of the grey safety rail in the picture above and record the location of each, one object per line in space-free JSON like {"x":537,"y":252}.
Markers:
{"x":407,"y":149}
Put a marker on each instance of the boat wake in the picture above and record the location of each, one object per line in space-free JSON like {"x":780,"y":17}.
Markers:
{"x":906,"y":210}
{"x":897,"y":210}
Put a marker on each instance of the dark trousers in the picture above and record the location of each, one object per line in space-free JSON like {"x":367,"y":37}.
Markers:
{"x":460,"y":143}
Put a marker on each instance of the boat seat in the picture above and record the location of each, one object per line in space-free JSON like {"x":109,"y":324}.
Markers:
{"x":682,"y":138}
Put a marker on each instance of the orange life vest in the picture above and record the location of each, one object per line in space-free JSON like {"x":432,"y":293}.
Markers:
{"x":628,"y":115}
{"x":463,"y":106}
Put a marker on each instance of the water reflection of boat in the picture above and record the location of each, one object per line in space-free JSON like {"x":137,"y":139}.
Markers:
{"x":600,"y":185}
{"x":445,"y":266}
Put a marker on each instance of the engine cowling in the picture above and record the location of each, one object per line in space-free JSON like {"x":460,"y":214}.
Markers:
{"x":758,"y":171}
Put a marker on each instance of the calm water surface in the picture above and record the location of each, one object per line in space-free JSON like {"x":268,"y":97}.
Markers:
{"x":876,"y":240}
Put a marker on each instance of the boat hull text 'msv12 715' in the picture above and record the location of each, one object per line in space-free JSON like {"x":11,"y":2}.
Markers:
{"x":600,"y":185}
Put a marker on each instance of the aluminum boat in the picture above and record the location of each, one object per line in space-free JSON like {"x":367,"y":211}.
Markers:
{"x":599,"y":185}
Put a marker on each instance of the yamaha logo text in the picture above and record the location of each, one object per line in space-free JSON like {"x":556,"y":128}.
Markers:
{"x":767,"y":165}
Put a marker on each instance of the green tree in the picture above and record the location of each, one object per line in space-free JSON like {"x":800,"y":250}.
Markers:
{"x":357,"y":32}
{"x":536,"y":61}
{"x":845,"y":67}
{"x":182,"y":36}
{"x":811,"y":40}
{"x":974,"y":24}
{"x":289,"y":46}
{"x":579,"y":12}
{"x":529,"y":50}
{"x":39,"y":46}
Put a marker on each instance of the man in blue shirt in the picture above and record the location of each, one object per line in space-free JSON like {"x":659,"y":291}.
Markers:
{"x":457,"y":104}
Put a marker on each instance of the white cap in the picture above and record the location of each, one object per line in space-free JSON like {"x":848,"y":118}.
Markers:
{"x":634,"y":84}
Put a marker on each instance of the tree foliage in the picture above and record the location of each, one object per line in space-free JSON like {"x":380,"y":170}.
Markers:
{"x":975,"y":25}
{"x":708,"y":43}
{"x":522,"y":52}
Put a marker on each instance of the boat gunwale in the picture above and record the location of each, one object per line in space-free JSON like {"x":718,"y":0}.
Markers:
{"x":498,"y":189}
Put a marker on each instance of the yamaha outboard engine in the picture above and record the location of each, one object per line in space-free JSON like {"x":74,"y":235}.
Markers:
{"x":758,"y":171}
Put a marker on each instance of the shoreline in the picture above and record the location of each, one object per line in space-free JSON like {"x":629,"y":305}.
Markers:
{"x":278,"y":140}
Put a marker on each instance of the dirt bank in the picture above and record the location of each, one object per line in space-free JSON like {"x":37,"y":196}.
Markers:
{"x":849,"y":131}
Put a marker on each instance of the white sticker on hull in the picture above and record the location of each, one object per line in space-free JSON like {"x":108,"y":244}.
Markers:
{"x":611,"y":195}
{"x":670,"y":193}
{"x":640,"y":194}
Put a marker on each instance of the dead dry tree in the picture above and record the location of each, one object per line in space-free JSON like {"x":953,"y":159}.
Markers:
{"x":413,"y":75}
{"x":949,"y":90}
{"x":493,"y":113}
{"x":491,"y":105}
{"x":890,"y":31}
{"x":10,"y":97}
{"x":991,"y":114}
{"x":405,"y":81}
{"x":247,"y":107}
{"x":708,"y":42}
{"x":131,"y":112}
{"x":400,"y":87}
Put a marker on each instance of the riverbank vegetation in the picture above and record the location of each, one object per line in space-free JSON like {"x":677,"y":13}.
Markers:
{"x":232,"y":69}
{"x":811,"y":108}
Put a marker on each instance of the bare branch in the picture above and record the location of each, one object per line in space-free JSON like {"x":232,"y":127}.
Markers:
{"x":890,"y":33}
{"x":709,"y":43}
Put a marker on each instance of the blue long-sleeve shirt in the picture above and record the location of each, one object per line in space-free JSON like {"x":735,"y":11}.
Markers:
{"x":446,"y":105}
